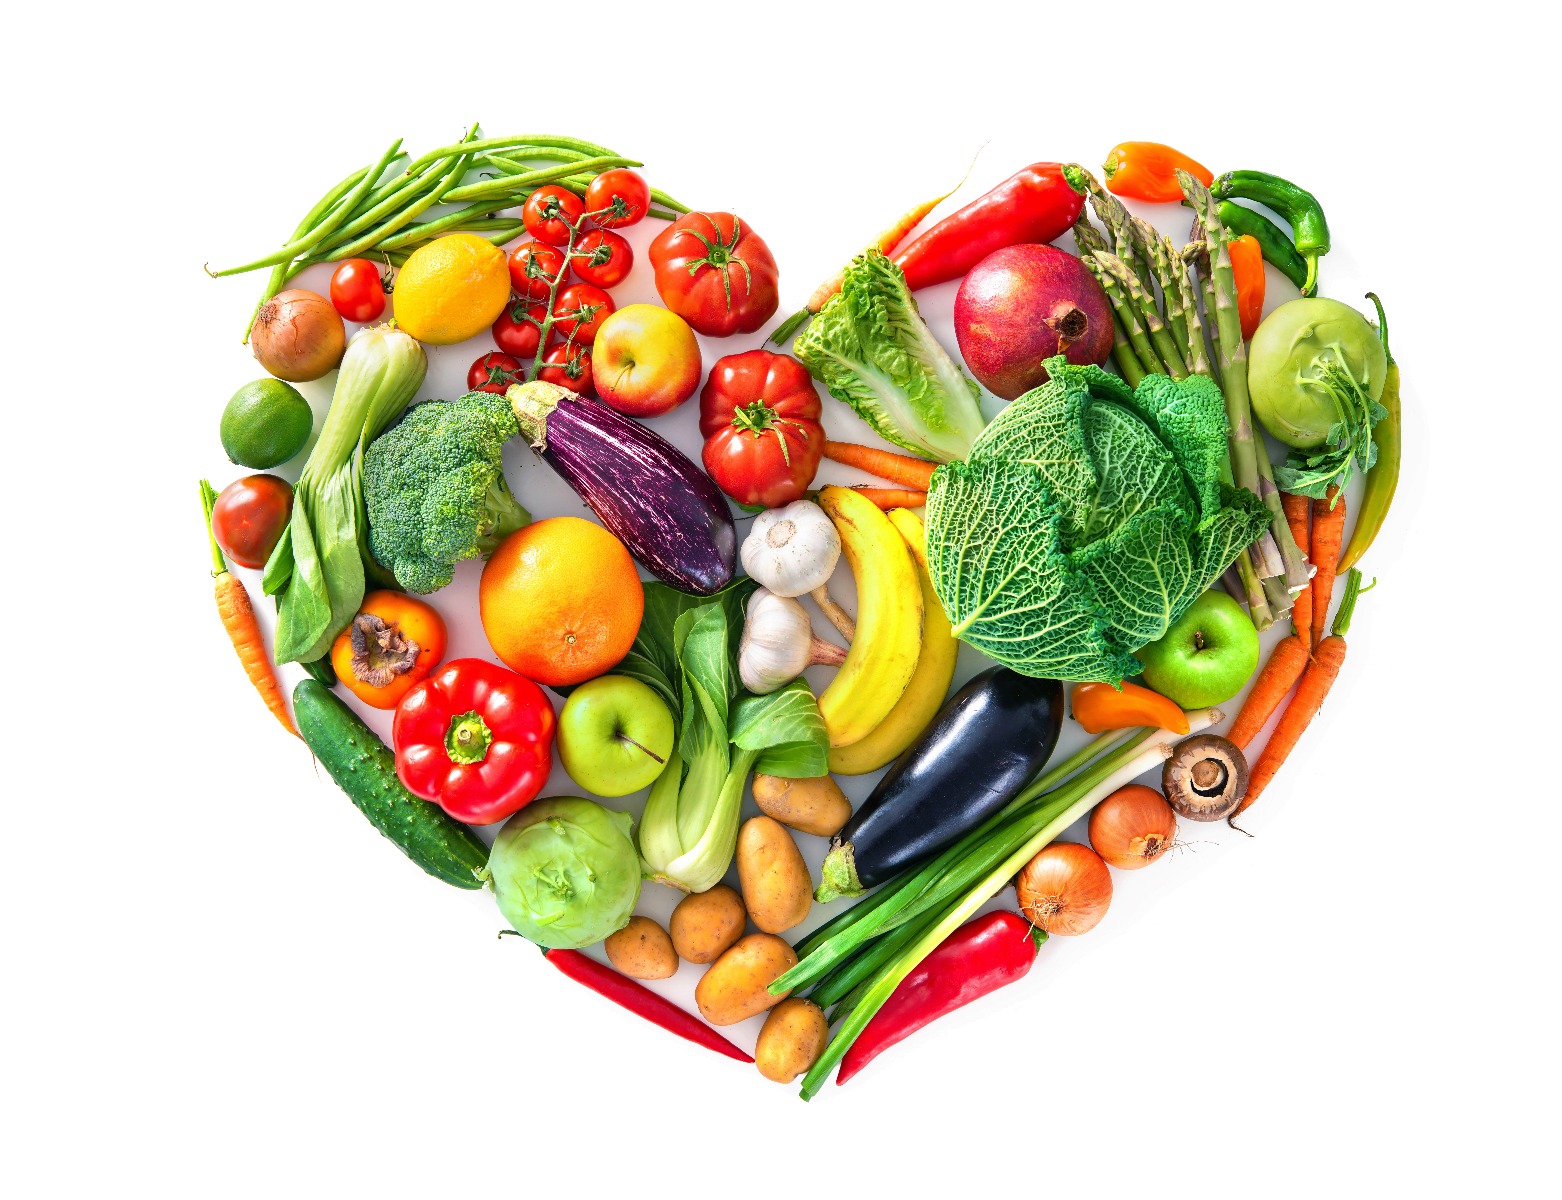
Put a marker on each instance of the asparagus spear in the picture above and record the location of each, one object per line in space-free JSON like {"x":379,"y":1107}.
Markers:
{"x":1087,"y":240}
{"x":1126,"y":314}
{"x":1144,"y":304}
{"x":1198,"y":359}
{"x":1160,"y":266}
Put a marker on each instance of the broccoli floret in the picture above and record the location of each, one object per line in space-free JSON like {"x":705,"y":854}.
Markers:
{"x":435,"y":490}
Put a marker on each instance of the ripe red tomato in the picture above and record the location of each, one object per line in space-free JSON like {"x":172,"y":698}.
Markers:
{"x":602,"y":258}
{"x":568,"y":365}
{"x":715,"y":274}
{"x":533,"y":268}
{"x":549,"y":212}
{"x":357,"y":291}
{"x":495,"y":373}
{"x":517,"y":330}
{"x":617,"y":198}
{"x":759,"y":413}
{"x":579,"y":312}
{"x":250,"y":516}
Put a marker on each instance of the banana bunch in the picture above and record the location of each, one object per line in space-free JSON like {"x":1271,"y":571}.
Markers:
{"x":902,"y":657}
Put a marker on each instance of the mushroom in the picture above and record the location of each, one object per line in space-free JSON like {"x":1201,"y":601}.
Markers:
{"x":1205,"y":778}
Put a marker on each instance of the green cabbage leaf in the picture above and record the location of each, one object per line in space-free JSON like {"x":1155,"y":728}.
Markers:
{"x":1085,"y":520}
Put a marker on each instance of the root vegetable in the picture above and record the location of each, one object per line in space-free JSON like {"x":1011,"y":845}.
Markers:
{"x":705,"y":925}
{"x":298,"y":336}
{"x":791,"y":1040}
{"x":642,"y":950}
{"x":1133,"y":827}
{"x":777,"y":890}
{"x":737,"y":986}
{"x":816,"y":806}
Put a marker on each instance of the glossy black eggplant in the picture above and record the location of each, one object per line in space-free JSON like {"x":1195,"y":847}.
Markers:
{"x":644,"y":489}
{"x":988,"y":741}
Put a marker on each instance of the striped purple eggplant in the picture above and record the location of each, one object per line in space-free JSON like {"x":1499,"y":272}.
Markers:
{"x":642,"y":487}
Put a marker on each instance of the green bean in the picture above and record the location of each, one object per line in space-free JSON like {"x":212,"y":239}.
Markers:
{"x":397,"y":202}
{"x":504,"y":143}
{"x":489,"y":187}
{"x":323,"y":228}
{"x":380,"y":232}
{"x":425,"y":229}
{"x":660,"y":197}
{"x":511,"y":163}
{"x":497,"y":231}
{"x":662,"y":216}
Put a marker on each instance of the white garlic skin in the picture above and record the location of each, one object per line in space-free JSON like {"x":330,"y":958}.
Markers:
{"x":792,"y":550}
{"x":777,"y":642}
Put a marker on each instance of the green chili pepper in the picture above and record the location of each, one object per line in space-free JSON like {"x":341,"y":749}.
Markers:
{"x":1272,"y":240}
{"x":1309,"y":229}
{"x":1378,"y":493}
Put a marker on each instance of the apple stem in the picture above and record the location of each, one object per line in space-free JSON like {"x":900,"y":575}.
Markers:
{"x":624,"y":737}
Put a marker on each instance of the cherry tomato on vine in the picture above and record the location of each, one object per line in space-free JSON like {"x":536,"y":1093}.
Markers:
{"x":495,"y":372}
{"x":618,"y":197}
{"x":579,"y":312}
{"x":357,"y":291}
{"x":602,"y":258}
{"x":568,"y":366}
{"x":533,"y":268}
{"x":549,"y":212}
{"x":515,"y":332}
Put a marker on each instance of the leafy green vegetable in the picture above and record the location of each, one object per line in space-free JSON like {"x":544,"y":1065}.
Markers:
{"x":435,"y":491}
{"x":870,"y":347}
{"x":1086,"y":520}
{"x":565,"y":871}
{"x":317,"y":568}
{"x":690,"y":827}
{"x":653,"y":659}
{"x":1347,"y":445}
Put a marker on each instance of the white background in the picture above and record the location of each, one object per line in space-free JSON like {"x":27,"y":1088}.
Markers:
{"x":220,"y":982}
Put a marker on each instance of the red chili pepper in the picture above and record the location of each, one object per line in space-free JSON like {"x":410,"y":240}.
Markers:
{"x":642,"y":1001}
{"x":1038,"y":203}
{"x":979,"y":957}
{"x":476,"y":739}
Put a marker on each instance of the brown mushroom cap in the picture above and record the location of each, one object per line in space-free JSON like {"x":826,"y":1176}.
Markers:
{"x":1205,"y":778}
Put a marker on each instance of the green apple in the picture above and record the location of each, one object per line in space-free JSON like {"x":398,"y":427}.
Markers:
{"x":615,"y":735}
{"x":1206,"y":656}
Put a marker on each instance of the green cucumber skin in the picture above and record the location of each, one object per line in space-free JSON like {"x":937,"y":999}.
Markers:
{"x":364,"y":768}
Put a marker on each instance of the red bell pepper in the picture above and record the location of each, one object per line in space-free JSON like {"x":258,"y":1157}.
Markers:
{"x":759,"y":413}
{"x":476,"y":739}
{"x":1038,"y":203}
{"x":979,"y":957}
{"x":642,"y":1001}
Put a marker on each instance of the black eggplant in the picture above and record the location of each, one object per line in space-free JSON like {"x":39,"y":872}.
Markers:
{"x":988,"y":741}
{"x":642,"y":487}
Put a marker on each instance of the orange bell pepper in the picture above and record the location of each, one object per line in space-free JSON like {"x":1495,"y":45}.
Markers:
{"x":1247,"y":269}
{"x":1148,"y":171}
{"x":394,"y":642}
{"x":1099,"y":707}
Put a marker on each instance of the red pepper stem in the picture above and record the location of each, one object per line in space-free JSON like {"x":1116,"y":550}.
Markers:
{"x":468,"y":738}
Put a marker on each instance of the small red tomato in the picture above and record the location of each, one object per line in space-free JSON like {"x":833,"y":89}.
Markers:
{"x":533,"y":268}
{"x":617,"y":198}
{"x":579,"y":312}
{"x":602,"y":258}
{"x":568,"y":366}
{"x":357,"y":291}
{"x":518,"y":329}
{"x":250,"y":516}
{"x":549,"y":212}
{"x":759,"y":413}
{"x":495,"y":373}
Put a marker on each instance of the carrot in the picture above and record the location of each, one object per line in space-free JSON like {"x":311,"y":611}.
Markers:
{"x":1328,"y":533}
{"x":888,"y":498}
{"x":1297,"y":509}
{"x":238,"y":618}
{"x":1279,"y":676}
{"x":886,"y":464}
{"x":1319,"y":677}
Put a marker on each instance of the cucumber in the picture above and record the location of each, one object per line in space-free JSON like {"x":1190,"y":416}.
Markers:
{"x":364,"y":768}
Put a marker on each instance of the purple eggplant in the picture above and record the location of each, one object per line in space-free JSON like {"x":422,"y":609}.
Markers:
{"x":642,"y":487}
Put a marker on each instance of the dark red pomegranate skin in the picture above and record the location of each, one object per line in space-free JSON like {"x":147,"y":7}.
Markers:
{"x":1020,"y":306}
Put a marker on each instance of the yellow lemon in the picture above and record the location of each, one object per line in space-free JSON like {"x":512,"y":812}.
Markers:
{"x":452,"y":289}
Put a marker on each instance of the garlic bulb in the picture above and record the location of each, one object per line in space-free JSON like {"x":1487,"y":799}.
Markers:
{"x":778,"y":643}
{"x":792,"y":550}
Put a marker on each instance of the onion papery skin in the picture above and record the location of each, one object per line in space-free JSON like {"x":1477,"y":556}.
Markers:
{"x":1133,"y":827}
{"x":1065,"y":889}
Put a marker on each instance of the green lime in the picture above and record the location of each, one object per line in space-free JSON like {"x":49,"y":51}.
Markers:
{"x":265,"y":424}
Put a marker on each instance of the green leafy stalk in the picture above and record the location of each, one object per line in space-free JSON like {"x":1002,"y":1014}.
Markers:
{"x":1350,"y":445}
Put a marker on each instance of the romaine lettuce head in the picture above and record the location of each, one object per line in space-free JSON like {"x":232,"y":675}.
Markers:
{"x":1085,"y":520}
{"x":871,"y":348}
{"x":565,"y":872}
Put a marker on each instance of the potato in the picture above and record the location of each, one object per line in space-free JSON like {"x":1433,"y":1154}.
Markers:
{"x":792,"y":1039}
{"x":816,"y":806}
{"x":773,"y":876}
{"x":642,"y":950}
{"x":706,"y":923}
{"x":737,"y":984}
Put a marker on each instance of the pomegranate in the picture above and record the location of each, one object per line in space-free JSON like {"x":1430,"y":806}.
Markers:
{"x":1020,"y":306}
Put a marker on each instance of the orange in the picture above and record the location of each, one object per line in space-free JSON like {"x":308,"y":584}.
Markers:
{"x":560,"y":601}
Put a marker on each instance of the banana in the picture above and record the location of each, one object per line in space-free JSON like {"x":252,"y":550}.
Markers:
{"x":929,"y":684}
{"x":884,"y":652}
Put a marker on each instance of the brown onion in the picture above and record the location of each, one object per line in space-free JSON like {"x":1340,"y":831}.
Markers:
{"x":1065,"y":889}
{"x":298,"y":336}
{"x":1133,"y":827}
